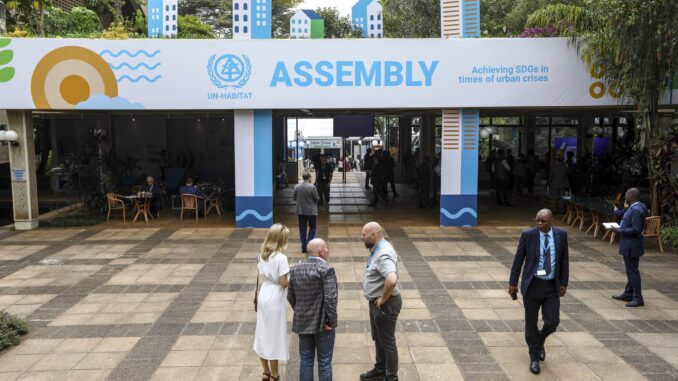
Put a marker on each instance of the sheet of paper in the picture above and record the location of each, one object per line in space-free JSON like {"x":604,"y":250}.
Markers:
{"x":609,"y":225}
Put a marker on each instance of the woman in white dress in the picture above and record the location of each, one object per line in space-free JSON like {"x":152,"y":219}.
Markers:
{"x":270,"y":338}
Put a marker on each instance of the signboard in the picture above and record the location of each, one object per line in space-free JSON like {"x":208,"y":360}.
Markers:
{"x":156,"y":74}
{"x":18,"y":174}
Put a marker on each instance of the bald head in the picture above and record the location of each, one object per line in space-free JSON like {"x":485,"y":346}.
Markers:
{"x":544,"y":220}
{"x":632,"y":195}
{"x":371,"y":234}
{"x":315,"y":246}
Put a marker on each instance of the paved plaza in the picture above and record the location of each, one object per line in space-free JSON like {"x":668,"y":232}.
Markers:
{"x":174,"y":301}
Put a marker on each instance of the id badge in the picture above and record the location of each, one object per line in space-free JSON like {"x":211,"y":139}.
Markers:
{"x":541,"y":272}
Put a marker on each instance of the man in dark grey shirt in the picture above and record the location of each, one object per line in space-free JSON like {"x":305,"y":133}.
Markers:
{"x":312,"y":293}
{"x":381,"y":290}
{"x":306,"y":196}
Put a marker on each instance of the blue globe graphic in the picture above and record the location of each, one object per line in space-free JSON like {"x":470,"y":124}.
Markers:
{"x":229,"y":68}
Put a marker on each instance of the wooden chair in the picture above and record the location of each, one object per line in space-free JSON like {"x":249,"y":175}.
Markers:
{"x":190,"y":202}
{"x":653,"y":227}
{"x":116,"y":202}
{"x":579,"y":215}
{"x":213,"y":203}
{"x":569,"y":212}
{"x":142,"y":207}
{"x":595,"y":224}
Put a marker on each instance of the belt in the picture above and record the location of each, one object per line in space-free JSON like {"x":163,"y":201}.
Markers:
{"x":547,"y":281}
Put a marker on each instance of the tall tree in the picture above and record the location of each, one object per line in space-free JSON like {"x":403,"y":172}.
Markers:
{"x":632,"y":43}
{"x":336,"y":25}
{"x":411,"y":19}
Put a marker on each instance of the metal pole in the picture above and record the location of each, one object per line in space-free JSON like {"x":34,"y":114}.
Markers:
{"x":342,"y":156}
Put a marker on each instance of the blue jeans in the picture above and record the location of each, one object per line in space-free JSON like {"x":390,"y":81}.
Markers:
{"x":323,"y":344}
{"x":304,"y":223}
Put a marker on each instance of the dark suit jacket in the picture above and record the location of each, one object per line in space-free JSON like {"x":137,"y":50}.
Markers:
{"x":312,"y":293}
{"x":155,"y":189}
{"x":630,"y":230}
{"x":528,"y":253}
{"x":187,"y":189}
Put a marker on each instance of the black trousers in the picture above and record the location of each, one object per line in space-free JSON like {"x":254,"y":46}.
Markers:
{"x":379,"y":190}
{"x":541,"y":294}
{"x":383,"y":324}
{"x":501,"y":187}
{"x":390,"y":179}
{"x":633,"y":289}
{"x":323,"y":191}
{"x":368,"y":174}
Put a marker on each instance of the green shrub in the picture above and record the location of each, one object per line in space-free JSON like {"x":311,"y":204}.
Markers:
{"x":670,"y":236}
{"x":11,"y":328}
{"x":80,"y":217}
{"x":84,"y":21}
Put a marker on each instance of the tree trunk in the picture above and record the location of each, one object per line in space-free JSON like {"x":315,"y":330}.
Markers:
{"x":652,"y":118}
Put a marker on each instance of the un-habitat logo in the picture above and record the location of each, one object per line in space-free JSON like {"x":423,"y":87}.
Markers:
{"x":229,"y":70}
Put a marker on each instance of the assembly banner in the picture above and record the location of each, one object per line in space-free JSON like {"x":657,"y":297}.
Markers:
{"x":164,"y":74}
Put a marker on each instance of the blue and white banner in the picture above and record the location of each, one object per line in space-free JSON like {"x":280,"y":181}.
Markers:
{"x":158,"y":74}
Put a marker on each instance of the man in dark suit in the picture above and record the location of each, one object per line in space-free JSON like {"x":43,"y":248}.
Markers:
{"x":631,"y":245}
{"x":544,"y":252}
{"x":153,"y":188}
{"x":312,"y":293}
{"x":190,"y":188}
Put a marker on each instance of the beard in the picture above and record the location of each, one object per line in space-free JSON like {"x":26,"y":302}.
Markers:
{"x":369,"y":245}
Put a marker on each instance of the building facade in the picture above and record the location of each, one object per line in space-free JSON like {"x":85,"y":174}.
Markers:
{"x":368,"y":16}
{"x":251,"y":19}
{"x":162,"y":18}
{"x":307,"y":24}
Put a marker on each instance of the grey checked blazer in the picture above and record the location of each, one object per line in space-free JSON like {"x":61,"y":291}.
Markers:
{"x":312,"y":293}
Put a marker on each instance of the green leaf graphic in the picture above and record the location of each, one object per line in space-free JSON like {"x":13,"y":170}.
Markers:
{"x":4,"y":42}
{"x":6,"y":56}
{"x":6,"y":74}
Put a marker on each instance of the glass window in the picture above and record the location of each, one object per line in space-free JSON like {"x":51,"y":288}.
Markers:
{"x":237,"y":29}
{"x":174,"y":17}
{"x":236,"y":6}
{"x":167,"y":8}
{"x":294,"y":21}
{"x":236,"y":18}
{"x":174,"y":27}
{"x":371,"y":17}
{"x":379,"y":26}
{"x":379,"y":16}
{"x":305,"y":21}
{"x":167,"y":18}
{"x":244,"y":18}
{"x":378,"y":35}
{"x":167,"y":28}
{"x":305,"y":30}
{"x":293,"y":30}
{"x":244,"y":29}
{"x":371,"y":26}
{"x":372,"y":35}
{"x":244,"y":6}
{"x":174,"y":7}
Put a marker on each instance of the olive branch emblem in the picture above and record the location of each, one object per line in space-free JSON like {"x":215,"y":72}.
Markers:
{"x":219,"y":83}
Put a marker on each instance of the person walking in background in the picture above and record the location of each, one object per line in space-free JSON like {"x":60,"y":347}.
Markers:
{"x":389,"y":172}
{"x":368,"y":162}
{"x":520,"y":173}
{"x":424,"y":182}
{"x":270,"y":337}
{"x":378,"y":182}
{"x":511,"y":160}
{"x":312,"y":293}
{"x":437,"y":170}
{"x":501,"y":169}
{"x":380,"y":287}
{"x":307,"y":198}
{"x":323,"y":179}
{"x":558,"y":184}
{"x":543,"y":251}
{"x":489,"y":167}
{"x":532,"y":169}
{"x":631,"y":245}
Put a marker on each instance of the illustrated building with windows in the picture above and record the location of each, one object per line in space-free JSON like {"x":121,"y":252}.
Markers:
{"x":251,"y":19}
{"x":367,"y":15}
{"x":307,"y":24}
{"x":162,"y":18}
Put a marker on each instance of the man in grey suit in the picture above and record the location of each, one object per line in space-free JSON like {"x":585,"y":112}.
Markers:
{"x":312,"y":293}
{"x":306,"y":196}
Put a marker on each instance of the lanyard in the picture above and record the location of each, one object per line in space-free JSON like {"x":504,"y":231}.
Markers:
{"x":543,"y":247}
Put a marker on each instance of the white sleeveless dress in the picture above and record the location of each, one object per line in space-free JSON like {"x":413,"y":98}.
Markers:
{"x":270,"y":338}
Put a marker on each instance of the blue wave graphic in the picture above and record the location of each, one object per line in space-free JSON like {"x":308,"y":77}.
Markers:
{"x":252,"y":212}
{"x":139,"y":78}
{"x":130,"y":54}
{"x":135,"y":67}
{"x":459,"y":214}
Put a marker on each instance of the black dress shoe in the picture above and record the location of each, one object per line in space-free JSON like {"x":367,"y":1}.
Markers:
{"x":534,"y":367}
{"x":373,"y":374}
{"x":635,"y":303}
{"x":622,"y":298}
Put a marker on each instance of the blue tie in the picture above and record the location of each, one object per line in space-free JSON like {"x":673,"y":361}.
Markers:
{"x":547,"y":255}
